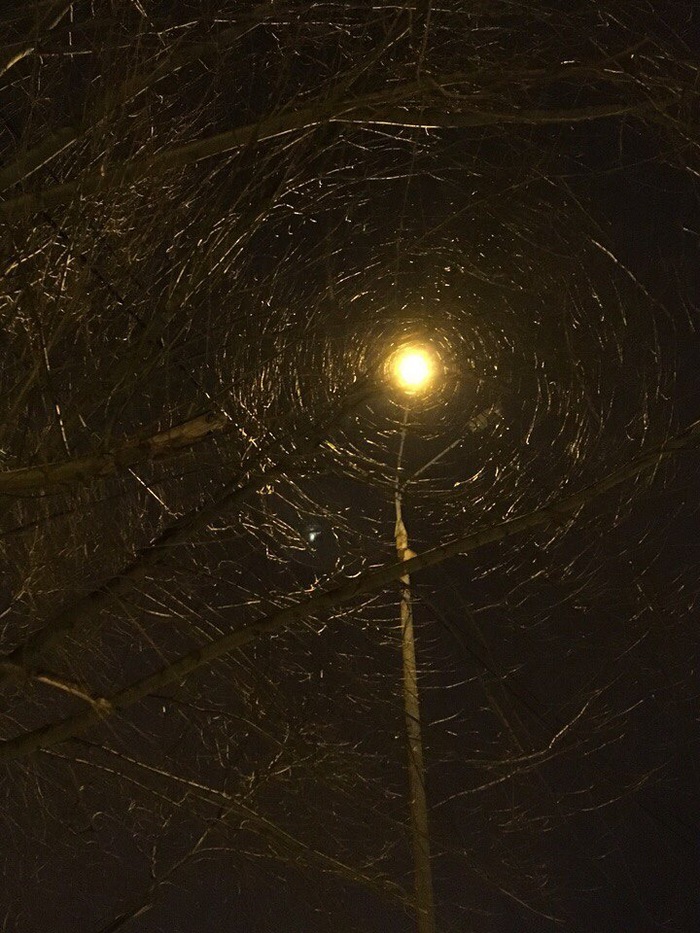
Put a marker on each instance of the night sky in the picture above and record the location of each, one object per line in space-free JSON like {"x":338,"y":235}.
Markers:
{"x":218,"y":222}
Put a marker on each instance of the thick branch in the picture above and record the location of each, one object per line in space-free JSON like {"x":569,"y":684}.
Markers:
{"x":68,"y":473}
{"x":54,"y":17}
{"x":371,"y":582}
{"x":85,"y":614}
{"x":395,"y":107}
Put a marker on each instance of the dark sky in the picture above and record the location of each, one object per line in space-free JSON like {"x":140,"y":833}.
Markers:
{"x":552,"y":266}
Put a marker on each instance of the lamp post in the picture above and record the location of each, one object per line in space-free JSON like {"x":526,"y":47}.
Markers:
{"x":412,"y":369}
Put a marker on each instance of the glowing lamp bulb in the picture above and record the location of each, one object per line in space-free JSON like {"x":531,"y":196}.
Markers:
{"x":413,"y":368}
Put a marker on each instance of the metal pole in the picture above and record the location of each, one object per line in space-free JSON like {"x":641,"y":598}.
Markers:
{"x":423,"y":881}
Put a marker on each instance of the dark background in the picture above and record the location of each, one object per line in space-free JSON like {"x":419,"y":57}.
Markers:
{"x":552,"y":265}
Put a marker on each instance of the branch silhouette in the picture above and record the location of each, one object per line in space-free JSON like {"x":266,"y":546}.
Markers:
{"x":413,"y":104}
{"x":84,"y":614}
{"x":65,"y":474}
{"x":558,"y":511}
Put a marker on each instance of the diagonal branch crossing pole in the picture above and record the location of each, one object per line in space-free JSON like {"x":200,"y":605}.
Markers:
{"x":558,"y":511}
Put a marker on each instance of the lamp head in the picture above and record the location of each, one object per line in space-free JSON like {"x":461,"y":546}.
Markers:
{"x":412,"y":368}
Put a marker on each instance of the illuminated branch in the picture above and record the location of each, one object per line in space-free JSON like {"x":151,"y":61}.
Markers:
{"x":231,"y":808}
{"x":394,"y":107}
{"x":54,"y":18}
{"x":84,"y":615}
{"x":173,"y":59}
{"x":371,"y":582}
{"x":68,"y":473}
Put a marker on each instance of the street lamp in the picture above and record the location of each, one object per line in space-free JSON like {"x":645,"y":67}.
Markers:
{"x":412,"y":369}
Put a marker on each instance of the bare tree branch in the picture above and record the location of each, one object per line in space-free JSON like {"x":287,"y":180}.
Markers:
{"x":68,"y":473}
{"x":56,"y":13}
{"x":384,"y":109}
{"x":173,"y":58}
{"x":558,"y":511}
{"x":84,"y":615}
